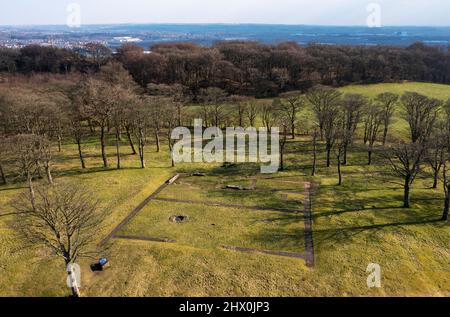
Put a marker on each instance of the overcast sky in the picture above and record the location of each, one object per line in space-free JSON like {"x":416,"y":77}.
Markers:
{"x":318,"y":12}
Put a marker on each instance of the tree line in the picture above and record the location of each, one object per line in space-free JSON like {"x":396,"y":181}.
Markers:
{"x":243,"y":67}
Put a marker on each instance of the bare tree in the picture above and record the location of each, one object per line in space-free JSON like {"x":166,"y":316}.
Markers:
{"x":373,"y":119}
{"x":239,"y":102}
{"x":251,"y":111}
{"x":447,"y":117}
{"x":323,"y":100}
{"x":141,"y":121}
{"x":405,"y":162}
{"x":446,"y":183}
{"x":291,"y":103}
{"x":98,"y":52}
{"x":352,"y":104}
{"x":437,"y":149}
{"x":45,"y":156}
{"x":62,"y":220}
{"x":170,"y":120}
{"x":282,"y":120}
{"x":315,"y":136}
{"x":421,"y":114}
{"x":24,"y":148}
{"x":78,"y":133}
{"x":269,"y":114}
{"x":213,"y":100}
{"x":2,"y":155}
{"x":387,"y":101}
{"x":98,"y":100}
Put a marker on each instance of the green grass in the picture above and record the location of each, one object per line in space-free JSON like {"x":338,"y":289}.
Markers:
{"x":355,"y":224}
{"x":212,"y":227}
{"x":439,"y":91}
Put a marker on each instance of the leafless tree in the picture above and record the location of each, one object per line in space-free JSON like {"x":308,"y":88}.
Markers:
{"x":405,"y":162}
{"x":387,"y":101}
{"x":213,"y":100}
{"x":421,"y":114}
{"x":25,"y":149}
{"x":270,"y":113}
{"x":98,"y":101}
{"x":315,"y":137}
{"x":239,"y":107}
{"x":98,"y":52}
{"x":2,"y":156}
{"x":63,"y":220}
{"x":447,"y":118}
{"x":352,"y":107}
{"x":437,"y":149}
{"x":373,"y":120}
{"x":142,"y":116}
{"x":323,"y":100}
{"x":251,"y":112}
{"x":45,"y":156}
{"x":291,"y":103}
{"x":78,"y":133}
{"x":170,"y":119}
{"x":282,"y":120}
{"x":446,"y":183}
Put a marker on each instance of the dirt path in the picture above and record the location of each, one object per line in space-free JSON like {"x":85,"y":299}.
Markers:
{"x":134,"y":212}
{"x":202,"y":203}
{"x":309,"y":245}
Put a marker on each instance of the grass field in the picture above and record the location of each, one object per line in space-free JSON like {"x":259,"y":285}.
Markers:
{"x":354,"y":224}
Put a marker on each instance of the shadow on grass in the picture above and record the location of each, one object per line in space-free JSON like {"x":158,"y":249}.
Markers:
{"x":343,"y":235}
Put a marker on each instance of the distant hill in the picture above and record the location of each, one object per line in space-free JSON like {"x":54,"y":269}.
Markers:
{"x":206,"y":34}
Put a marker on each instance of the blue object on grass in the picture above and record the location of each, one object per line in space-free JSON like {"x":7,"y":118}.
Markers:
{"x":103,"y":261}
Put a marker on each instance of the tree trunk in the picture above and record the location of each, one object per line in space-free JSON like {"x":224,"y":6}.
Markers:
{"x":406,"y":203}
{"x":80,"y":154}
{"x":48,"y":172}
{"x":446,"y":205}
{"x":370,"y":157}
{"x":339,"y":171}
{"x":171,"y":148}
{"x":59,"y":143}
{"x":102,"y":141}
{"x":2,"y":174}
{"x":158,"y":142}
{"x":385,"y":134}
{"x":141,"y":149}
{"x":31,"y":190}
{"x":314,"y":156}
{"x":282,"y":155}
{"x":435,"y":178}
{"x":293,"y":132}
{"x":130,"y":140}
{"x":345,"y":155}
{"x":118,"y":148}
{"x":328,"y":155}
{"x":91,"y":127}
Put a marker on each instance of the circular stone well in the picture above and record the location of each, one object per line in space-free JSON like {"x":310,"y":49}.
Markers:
{"x":178,"y":219}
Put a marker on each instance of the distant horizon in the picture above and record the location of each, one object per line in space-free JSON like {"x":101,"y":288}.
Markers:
{"x":388,"y":13}
{"x":228,"y":23}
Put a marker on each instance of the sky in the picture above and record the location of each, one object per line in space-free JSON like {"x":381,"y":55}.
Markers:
{"x":314,"y":12}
